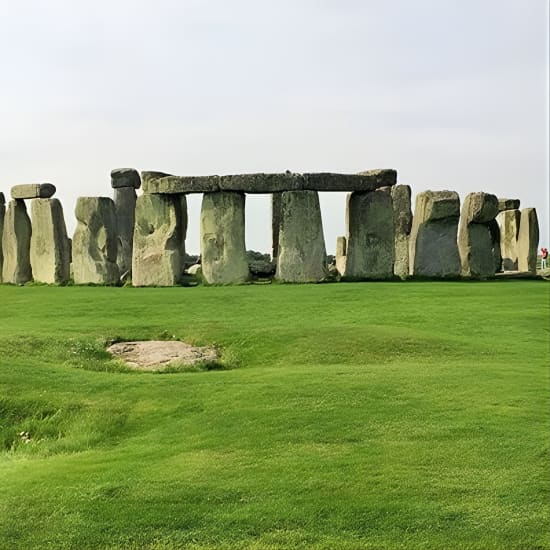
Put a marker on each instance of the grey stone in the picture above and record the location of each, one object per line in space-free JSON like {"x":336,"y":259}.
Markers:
{"x":508,"y":223}
{"x":125,"y":208}
{"x":494,"y":230}
{"x":195,"y":270}
{"x":50,"y":255}
{"x":158,"y":241}
{"x":16,"y":243}
{"x":2,"y":215}
{"x":223,"y":251}
{"x":508,"y":204}
{"x":402,"y":222}
{"x":370,"y":236}
{"x":433,"y":249}
{"x":341,"y":251}
{"x":275,"y":224}
{"x":2,"y":199}
{"x":33,"y":191}
{"x":159,"y":182}
{"x":475,"y":244}
{"x":94,"y":248}
{"x":125,"y":177}
{"x":528,"y":240}
{"x":183,"y":229}
{"x":302,"y":252}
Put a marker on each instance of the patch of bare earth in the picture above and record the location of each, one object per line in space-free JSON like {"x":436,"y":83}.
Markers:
{"x":158,"y":354}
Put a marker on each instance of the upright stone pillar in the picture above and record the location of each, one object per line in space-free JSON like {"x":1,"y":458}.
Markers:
{"x":494,"y":230}
{"x":275,"y":224}
{"x":2,"y":215}
{"x":341,"y":251}
{"x":223,"y":251}
{"x":402,"y":222}
{"x":528,"y":240}
{"x":16,"y":244}
{"x":508,"y":220}
{"x":302,"y":254}
{"x":124,"y":182}
{"x":475,"y":244}
{"x":433,"y":249}
{"x":370,"y":235}
{"x":50,"y":255}
{"x":94,"y":249}
{"x":158,"y":241}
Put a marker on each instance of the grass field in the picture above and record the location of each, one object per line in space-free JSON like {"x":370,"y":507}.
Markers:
{"x":381,"y":415}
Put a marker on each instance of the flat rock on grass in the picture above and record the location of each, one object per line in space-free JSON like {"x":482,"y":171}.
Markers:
{"x":157,"y":354}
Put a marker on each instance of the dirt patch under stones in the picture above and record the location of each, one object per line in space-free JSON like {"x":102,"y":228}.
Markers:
{"x":158,"y":354}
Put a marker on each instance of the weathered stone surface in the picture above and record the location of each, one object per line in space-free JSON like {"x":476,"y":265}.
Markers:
{"x":158,"y":241}
{"x":494,"y":230}
{"x":508,"y":223}
{"x":402,"y":222}
{"x":2,"y":214}
{"x":370,"y":236}
{"x":33,"y":191}
{"x":159,"y":182}
{"x":183,"y":229}
{"x":275,"y":224}
{"x":50,"y":255}
{"x":2,"y":199}
{"x":340,"y":258}
{"x":125,"y":177}
{"x":508,"y":204}
{"x":16,"y":244}
{"x":195,"y":270}
{"x":94,"y":249}
{"x":528,"y":240}
{"x":433,"y":249}
{"x":223,"y":251}
{"x":125,"y":208}
{"x":302,"y":252}
{"x":475,"y":244}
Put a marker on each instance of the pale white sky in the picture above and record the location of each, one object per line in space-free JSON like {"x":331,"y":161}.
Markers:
{"x":451,"y":93}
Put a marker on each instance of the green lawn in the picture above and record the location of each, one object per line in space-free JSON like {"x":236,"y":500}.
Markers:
{"x":369,"y":415}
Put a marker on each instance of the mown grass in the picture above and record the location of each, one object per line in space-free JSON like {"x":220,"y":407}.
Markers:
{"x":382,"y":415}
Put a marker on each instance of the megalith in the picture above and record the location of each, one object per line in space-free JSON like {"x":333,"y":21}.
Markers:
{"x":2,"y":214}
{"x":340,"y":258}
{"x":94,"y":248}
{"x":302,"y":253}
{"x":475,"y":244}
{"x":508,"y":223}
{"x":223,"y":251}
{"x":433,"y":249}
{"x":50,"y":255}
{"x":33,"y":191}
{"x":124,"y":182}
{"x":158,"y":241}
{"x":402,"y":222}
{"x":370,"y":235}
{"x":528,"y":240}
{"x":275,"y":224}
{"x":16,"y":244}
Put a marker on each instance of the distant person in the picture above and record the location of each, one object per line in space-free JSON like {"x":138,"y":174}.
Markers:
{"x":544,"y":257}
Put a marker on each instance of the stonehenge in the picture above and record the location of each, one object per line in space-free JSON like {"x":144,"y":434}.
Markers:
{"x":433,"y":248}
{"x":475,"y":243}
{"x":140,"y":236}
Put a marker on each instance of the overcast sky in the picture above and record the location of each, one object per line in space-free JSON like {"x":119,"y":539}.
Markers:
{"x":451,"y":93}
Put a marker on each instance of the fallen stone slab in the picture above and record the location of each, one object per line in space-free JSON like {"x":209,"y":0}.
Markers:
{"x":125,"y":177}
{"x":161,"y":183}
{"x":33,"y":191}
{"x":528,"y":240}
{"x":16,"y":244}
{"x":508,"y":204}
{"x":50,"y":254}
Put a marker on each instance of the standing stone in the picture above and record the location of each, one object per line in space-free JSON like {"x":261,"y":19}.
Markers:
{"x":125,"y":207}
{"x":494,"y":231}
{"x":158,"y":241}
{"x":341,"y":250}
{"x":94,"y":248}
{"x":370,"y":235}
{"x":508,"y":223}
{"x":302,"y":252}
{"x":474,"y":236}
{"x":402,"y":222}
{"x":433,"y":249}
{"x":183,"y":229}
{"x":50,"y":256}
{"x":16,"y":243}
{"x":2,"y":215}
{"x":275,"y":225}
{"x":528,"y":240}
{"x":223,"y":251}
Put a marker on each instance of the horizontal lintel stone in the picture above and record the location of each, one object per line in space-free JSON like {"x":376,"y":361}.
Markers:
{"x":32,"y":191}
{"x":161,"y":183}
{"x":125,"y":177}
